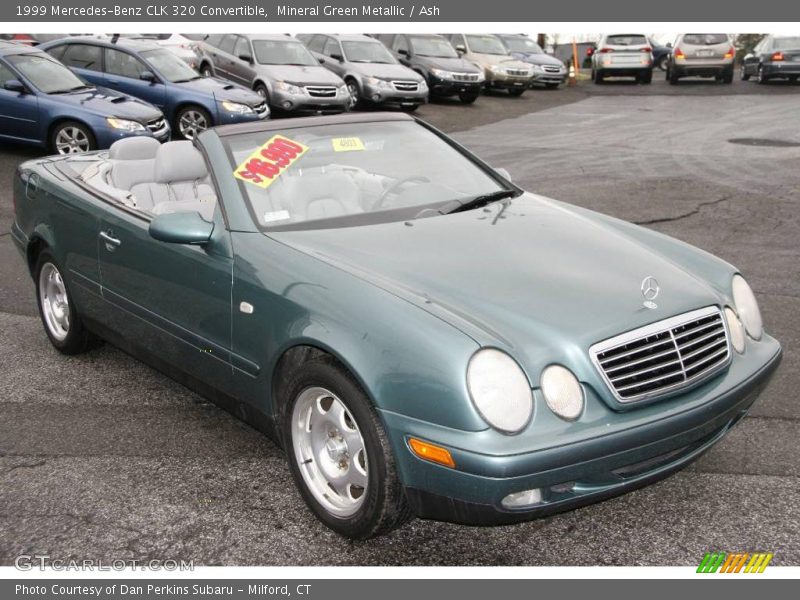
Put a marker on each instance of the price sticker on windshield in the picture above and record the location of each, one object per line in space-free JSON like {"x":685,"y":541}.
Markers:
{"x":269,"y":161}
{"x":347,"y":144}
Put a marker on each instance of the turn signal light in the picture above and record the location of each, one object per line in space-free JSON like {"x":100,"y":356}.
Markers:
{"x":606,"y":50}
{"x":730,"y":53}
{"x":777,"y":57}
{"x":647,"y":49}
{"x":431,"y":452}
{"x":679,"y":53}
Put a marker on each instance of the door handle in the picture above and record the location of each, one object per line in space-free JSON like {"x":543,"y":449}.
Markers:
{"x":111,"y":242}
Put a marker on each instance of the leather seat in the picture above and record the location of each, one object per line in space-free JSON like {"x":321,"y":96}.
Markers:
{"x":180,"y":176}
{"x":132,"y":161}
{"x":309,"y":197}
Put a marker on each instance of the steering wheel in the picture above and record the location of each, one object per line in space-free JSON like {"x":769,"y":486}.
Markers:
{"x":392,"y":189}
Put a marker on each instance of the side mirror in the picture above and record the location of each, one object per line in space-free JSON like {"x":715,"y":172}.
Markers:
{"x":147,"y":76}
{"x":338,"y":57}
{"x":747,"y":56}
{"x":246,"y":58}
{"x":461,"y":48}
{"x":669,"y":44}
{"x":503,"y":173}
{"x":14,"y":85}
{"x":181,"y":228}
{"x":402,"y":51}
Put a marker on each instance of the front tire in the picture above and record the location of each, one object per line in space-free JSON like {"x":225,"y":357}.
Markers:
{"x":516,"y":92}
{"x":551,"y":86}
{"x":60,"y":318}
{"x":468,"y":98}
{"x":71,"y":137}
{"x":190,"y":121}
{"x":206,"y":70}
{"x":339,"y":453}
{"x":356,"y":101}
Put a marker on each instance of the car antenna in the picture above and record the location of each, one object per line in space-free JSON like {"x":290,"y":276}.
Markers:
{"x":114,"y":38}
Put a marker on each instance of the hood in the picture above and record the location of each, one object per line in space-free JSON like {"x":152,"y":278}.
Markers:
{"x":109,"y":103}
{"x":312,"y":75}
{"x":537,"y":58}
{"x":496,"y":59}
{"x":458,"y":64}
{"x":384,"y":71}
{"x":222,"y":90}
{"x":532,"y":277}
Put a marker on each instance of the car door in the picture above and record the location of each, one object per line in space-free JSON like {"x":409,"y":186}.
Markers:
{"x":123,"y":73}
{"x":401,"y":49}
{"x":85,"y":60}
{"x":334,"y":56}
{"x":173,"y":300}
{"x":19,"y":111}
{"x":224,"y":61}
{"x":242,"y":71}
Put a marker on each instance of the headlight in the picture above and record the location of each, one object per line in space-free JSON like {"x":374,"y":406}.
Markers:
{"x":342,"y":89}
{"x":375,"y":82}
{"x":495,"y":68}
{"x":235,"y":107}
{"x":562,"y":391}
{"x":736,"y":330}
{"x":441,"y":74}
{"x":500,"y":390}
{"x":481,"y":77}
{"x":125,"y":124}
{"x":289,"y":88}
{"x":747,"y":307}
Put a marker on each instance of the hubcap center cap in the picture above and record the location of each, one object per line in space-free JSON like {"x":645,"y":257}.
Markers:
{"x":336,"y":448}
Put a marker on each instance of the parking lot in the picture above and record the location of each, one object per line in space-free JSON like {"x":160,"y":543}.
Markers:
{"x":102,"y":457}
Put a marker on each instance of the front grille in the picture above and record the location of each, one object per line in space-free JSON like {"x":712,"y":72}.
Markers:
{"x":405,"y":86}
{"x":664,"y":356}
{"x":321,"y":91}
{"x":552,"y":69}
{"x":156,"y":125}
{"x":517,"y":72}
{"x":465,"y":77}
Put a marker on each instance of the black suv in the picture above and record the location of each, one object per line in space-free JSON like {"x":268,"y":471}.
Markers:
{"x":433,"y":57}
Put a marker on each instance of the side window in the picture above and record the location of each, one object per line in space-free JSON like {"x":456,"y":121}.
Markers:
{"x":241,"y":47}
{"x":400,"y":43}
{"x":214,"y":40}
{"x":123,"y":64}
{"x":458,"y":40}
{"x":315,"y":43}
{"x":227,"y":43}
{"x":331,"y":48}
{"x":82,"y":56}
{"x":58,"y":51}
{"x":6,"y":74}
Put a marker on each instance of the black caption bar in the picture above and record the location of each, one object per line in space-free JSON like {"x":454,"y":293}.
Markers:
{"x":494,"y":11}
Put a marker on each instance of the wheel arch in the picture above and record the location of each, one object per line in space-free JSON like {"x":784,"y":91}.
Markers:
{"x":67,"y":119}
{"x":41,"y":239}
{"x":179,"y":106}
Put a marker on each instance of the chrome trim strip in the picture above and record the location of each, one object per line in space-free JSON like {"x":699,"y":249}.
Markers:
{"x":660,"y":327}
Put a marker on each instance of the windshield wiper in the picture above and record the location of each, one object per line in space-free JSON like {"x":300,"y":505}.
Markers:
{"x":193,"y":78}
{"x":455,"y":206}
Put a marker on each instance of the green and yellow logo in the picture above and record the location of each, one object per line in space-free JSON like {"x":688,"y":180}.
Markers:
{"x":738,"y":562}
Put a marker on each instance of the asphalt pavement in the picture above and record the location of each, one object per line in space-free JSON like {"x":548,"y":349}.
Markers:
{"x":102,"y":457}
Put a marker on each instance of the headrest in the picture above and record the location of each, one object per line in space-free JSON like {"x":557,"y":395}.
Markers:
{"x":134,"y":148}
{"x":179,"y":161}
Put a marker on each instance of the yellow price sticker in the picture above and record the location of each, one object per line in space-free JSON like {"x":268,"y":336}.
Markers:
{"x":347,"y":144}
{"x":269,"y":161}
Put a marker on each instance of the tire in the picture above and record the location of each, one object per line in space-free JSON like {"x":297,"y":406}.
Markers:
{"x":760,"y":77}
{"x":315,"y":392}
{"x":60,"y":318}
{"x":597,"y":76}
{"x":206,"y":70}
{"x":409,"y":109}
{"x":356,"y":101}
{"x":672,"y":77}
{"x":71,"y":137}
{"x":727,"y":76}
{"x":662,"y":62}
{"x":191,"y":120}
{"x":646,"y":78}
{"x":468,"y":98}
{"x":516,"y":92}
{"x":551,"y":86}
{"x":743,"y":74}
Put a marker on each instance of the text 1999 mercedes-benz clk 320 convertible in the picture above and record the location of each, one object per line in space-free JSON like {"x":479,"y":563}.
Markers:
{"x":420,"y":335}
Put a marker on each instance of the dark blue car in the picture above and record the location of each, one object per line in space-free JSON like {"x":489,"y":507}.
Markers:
{"x":44,"y":103}
{"x":192,"y":103}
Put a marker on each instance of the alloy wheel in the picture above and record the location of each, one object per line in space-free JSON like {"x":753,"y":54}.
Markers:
{"x":54,"y":300}
{"x":352,"y":89}
{"x":191,"y":123}
{"x":72,"y":140}
{"x":330,"y":451}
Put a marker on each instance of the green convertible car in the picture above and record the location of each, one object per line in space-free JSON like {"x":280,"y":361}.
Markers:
{"x":420,"y":335}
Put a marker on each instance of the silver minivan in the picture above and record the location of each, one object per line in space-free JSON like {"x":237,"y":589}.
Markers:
{"x":280,"y":68}
{"x":701,"y":55}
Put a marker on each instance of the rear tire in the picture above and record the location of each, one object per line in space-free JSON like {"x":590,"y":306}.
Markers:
{"x":743,"y":74}
{"x":597,"y":76}
{"x":672,"y":77}
{"x":727,"y":76}
{"x":646,"y":78}
{"x":326,"y":400}
{"x":760,"y":76}
{"x":662,"y":63}
{"x":60,"y":318}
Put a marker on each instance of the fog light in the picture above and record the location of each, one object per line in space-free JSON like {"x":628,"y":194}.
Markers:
{"x":523,"y":499}
{"x":287,"y":105}
{"x":376,"y":97}
{"x":736,"y":330}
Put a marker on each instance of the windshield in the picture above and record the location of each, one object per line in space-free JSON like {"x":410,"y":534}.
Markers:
{"x":626,"y":40}
{"x":485,"y":44}
{"x":705,"y":39}
{"x":273,"y":52}
{"x":522,"y":44}
{"x":367,"y":52}
{"x":46,"y":74}
{"x":787,"y":43}
{"x":169,"y":65}
{"x":433,"y":46}
{"x":350,"y":174}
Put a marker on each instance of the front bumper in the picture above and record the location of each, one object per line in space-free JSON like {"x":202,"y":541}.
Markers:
{"x":304,"y":103}
{"x":259,"y":113}
{"x":449,"y":87}
{"x":582,"y":472}
{"x":507,"y":82}
{"x":106,"y":136}
{"x":546,"y":77}
{"x":392,"y":96}
{"x":688,"y":68}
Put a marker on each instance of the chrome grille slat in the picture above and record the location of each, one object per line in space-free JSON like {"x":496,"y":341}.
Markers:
{"x":660,"y":358}
{"x":321,"y":91}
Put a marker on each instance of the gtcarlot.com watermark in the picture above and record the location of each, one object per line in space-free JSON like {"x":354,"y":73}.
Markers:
{"x":29,"y":562}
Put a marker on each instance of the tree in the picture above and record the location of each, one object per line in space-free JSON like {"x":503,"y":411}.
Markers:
{"x":745,"y":42}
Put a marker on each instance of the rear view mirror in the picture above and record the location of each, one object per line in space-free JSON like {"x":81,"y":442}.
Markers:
{"x":246,"y":58}
{"x":403,"y":51}
{"x":337,"y":57}
{"x":181,"y":228}
{"x":321,"y":61}
{"x":147,"y":76}
{"x":461,"y":49}
{"x":14,"y":85}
